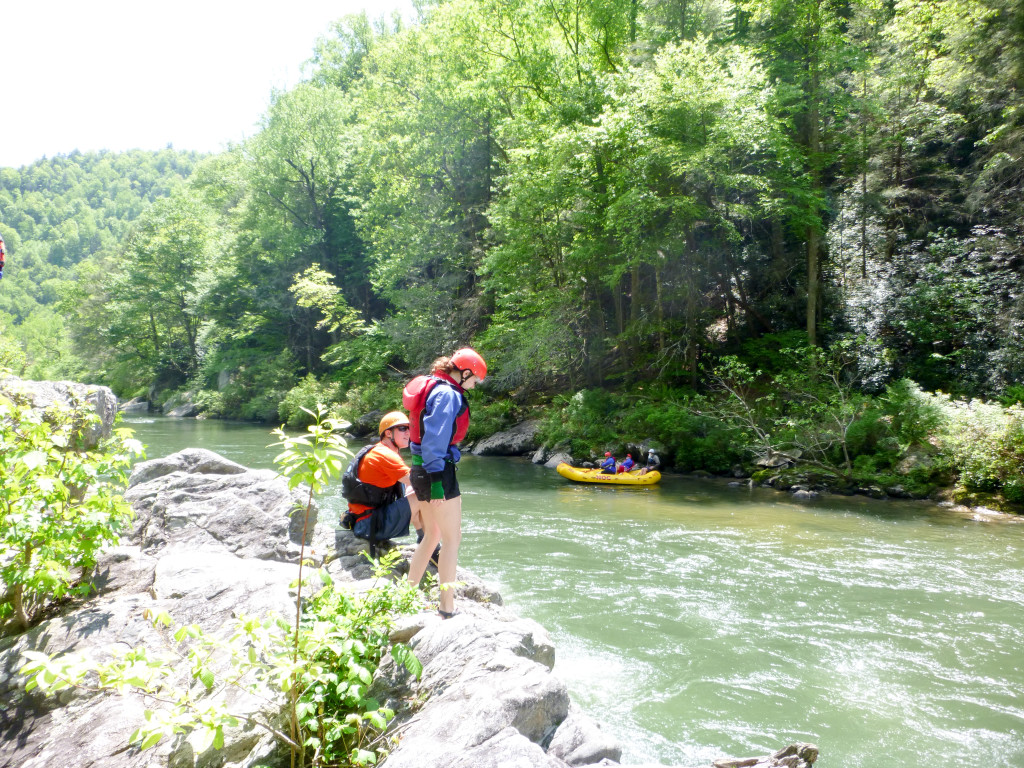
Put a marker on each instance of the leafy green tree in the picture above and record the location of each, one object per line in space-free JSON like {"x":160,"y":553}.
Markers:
{"x":806,"y":50}
{"x":155,"y":310}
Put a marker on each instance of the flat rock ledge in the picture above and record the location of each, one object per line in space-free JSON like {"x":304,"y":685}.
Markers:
{"x":213,"y":540}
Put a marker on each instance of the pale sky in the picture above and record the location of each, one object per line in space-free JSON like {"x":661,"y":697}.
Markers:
{"x":114,"y":74}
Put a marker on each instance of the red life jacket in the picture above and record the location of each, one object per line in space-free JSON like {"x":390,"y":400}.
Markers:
{"x":414,"y":398}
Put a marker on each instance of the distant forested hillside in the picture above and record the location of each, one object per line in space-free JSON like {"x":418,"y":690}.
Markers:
{"x":57,"y":214}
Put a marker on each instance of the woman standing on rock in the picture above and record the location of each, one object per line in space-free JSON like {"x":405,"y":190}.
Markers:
{"x":438,"y":420}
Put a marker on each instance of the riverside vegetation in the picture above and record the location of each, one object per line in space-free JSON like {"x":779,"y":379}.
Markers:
{"x":723,"y":229}
{"x":322,"y":663}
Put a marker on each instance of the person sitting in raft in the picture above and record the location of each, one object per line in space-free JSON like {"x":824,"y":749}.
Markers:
{"x":653,"y":462}
{"x":608,"y":465}
{"x":628,"y":464}
{"x":376,"y":485}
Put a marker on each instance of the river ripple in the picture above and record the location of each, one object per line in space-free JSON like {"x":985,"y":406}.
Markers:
{"x":697,"y":620}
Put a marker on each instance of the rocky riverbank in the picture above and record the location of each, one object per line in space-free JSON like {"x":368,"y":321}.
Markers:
{"x":213,"y":539}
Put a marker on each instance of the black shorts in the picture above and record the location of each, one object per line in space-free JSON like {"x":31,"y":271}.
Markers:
{"x":420,"y":480}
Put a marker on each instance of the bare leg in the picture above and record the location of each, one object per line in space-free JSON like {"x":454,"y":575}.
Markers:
{"x":442,"y":522}
{"x":414,"y":505}
{"x":431,"y":538}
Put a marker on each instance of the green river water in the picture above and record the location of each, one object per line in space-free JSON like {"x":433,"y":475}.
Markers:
{"x":696,"y":620}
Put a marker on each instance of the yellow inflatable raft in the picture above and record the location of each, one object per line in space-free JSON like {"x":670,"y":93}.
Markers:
{"x":596,"y":476}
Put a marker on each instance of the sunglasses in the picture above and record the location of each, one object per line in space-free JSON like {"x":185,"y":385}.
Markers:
{"x":402,"y":428}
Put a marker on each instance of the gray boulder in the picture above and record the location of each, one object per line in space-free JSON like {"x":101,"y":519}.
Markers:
{"x":492,"y":697}
{"x":918,"y":459}
{"x":197,"y":498}
{"x":81,"y":730}
{"x":579,"y":740}
{"x":185,"y":411}
{"x":135,"y":405}
{"x":556,"y":459}
{"x":366,"y":425}
{"x":519,"y":440}
{"x":792,"y":756}
{"x":43,"y":395}
{"x":774,"y":459}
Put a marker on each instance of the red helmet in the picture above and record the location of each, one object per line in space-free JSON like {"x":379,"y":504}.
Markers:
{"x":607,"y":453}
{"x":467,"y":359}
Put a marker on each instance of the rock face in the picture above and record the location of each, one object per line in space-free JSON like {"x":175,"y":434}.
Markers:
{"x":135,"y":405}
{"x":48,"y":394}
{"x":197,"y":498}
{"x":557,"y":459}
{"x":186,"y":411}
{"x":213,"y":539}
{"x":492,"y":697}
{"x":519,"y":440}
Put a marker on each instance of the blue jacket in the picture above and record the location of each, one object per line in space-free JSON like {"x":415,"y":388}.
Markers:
{"x":608,"y":463}
{"x":439,"y":414}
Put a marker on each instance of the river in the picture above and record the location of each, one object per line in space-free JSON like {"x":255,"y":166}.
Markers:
{"x":696,"y":620}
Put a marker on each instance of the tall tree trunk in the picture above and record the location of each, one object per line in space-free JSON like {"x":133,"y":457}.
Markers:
{"x":152,"y":328}
{"x":620,"y":319}
{"x":813,"y":239}
{"x":691,"y":312}
{"x":659,"y":303}
{"x":864,"y":186}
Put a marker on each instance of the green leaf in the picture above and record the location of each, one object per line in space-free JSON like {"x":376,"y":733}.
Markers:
{"x":34,"y":459}
{"x":207,"y":678}
{"x":152,"y":738}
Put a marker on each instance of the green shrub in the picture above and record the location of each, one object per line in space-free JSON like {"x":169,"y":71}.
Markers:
{"x":586,"y":419}
{"x":363,"y":359}
{"x":1014,"y":395}
{"x":300,"y":403}
{"x":211,"y":403}
{"x":1013,"y":490}
{"x":59,"y":506}
{"x":983,"y":441}
{"x":865,"y":467}
{"x":768,"y":353}
{"x":913,"y":415}
{"x":490,"y":417}
{"x":372,"y":396}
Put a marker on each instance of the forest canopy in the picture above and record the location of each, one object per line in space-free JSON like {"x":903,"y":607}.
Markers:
{"x":594,"y":193}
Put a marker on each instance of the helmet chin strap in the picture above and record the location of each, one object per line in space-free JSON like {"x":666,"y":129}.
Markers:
{"x":464,"y":376}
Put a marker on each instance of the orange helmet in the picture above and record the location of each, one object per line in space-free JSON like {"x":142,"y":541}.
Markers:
{"x":393,"y":419}
{"x":467,"y":359}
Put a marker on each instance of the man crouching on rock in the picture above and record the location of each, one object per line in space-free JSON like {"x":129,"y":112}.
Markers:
{"x":376,"y":485}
